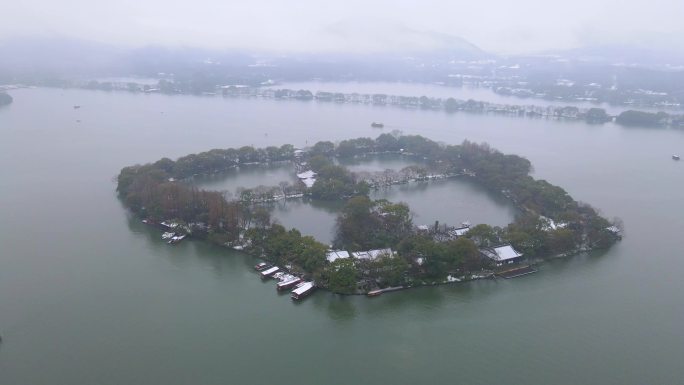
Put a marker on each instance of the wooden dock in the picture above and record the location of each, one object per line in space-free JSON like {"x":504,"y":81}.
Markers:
{"x":517,"y":272}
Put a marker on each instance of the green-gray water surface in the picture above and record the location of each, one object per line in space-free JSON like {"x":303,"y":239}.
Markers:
{"x":89,"y":295}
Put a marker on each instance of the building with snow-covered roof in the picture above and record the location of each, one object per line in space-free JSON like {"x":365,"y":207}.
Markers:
{"x":308,"y":182}
{"x":459,"y":232}
{"x":333,"y":255}
{"x":501,"y":255}
{"x":307,"y":177}
{"x":371,"y":255}
{"x":306,"y":174}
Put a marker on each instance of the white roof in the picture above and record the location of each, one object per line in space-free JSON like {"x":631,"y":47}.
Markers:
{"x":332,"y":255}
{"x":504,"y":253}
{"x":372,"y":254}
{"x":306,"y":174}
{"x":460,"y":231}
{"x":306,"y":286}
{"x":270,"y":271}
{"x":309,"y":182}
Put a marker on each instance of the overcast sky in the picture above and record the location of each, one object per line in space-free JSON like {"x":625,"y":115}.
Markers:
{"x":502,"y":26}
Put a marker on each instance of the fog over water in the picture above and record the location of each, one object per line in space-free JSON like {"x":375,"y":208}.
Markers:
{"x":88,"y":294}
{"x":352,"y":26}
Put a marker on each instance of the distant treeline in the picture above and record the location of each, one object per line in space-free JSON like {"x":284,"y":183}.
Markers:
{"x":635,"y":118}
{"x":593,"y":115}
{"x":550,"y":221}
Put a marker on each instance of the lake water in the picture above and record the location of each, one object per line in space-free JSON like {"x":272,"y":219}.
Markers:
{"x":89,"y":295}
{"x":460,"y":198}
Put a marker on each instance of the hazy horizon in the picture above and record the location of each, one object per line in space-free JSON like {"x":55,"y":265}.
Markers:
{"x":527,"y":26}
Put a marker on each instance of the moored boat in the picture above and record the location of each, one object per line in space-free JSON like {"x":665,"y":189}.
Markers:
{"x":176,"y":239}
{"x":261,"y":266}
{"x":168,"y":235}
{"x":269,"y":272}
{"x":302,"y":290}
{"x":377,"y":125}
{"x":374,"y":293}
{"x":288,"y":283}
{"x":675,"y":157}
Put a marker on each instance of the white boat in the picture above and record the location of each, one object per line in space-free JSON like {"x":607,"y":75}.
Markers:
{"x":168,"y":235}
{"x":288,"y":283}
{"x":261,"y":266}
{"x":675,"y":157}
{"x":302,"y":290}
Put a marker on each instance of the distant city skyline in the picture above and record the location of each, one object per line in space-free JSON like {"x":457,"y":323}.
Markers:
{"x":524,"y":26}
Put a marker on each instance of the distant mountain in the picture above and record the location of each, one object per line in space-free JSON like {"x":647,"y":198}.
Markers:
{"x":423,"y":54}
{"x":58,"y":56}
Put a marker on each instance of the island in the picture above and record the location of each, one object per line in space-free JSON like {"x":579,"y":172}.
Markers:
{"x":5,"y":99}
{"x":377,"y":247}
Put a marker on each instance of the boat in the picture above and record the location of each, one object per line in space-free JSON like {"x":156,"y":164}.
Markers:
{"x":302,"y":290}
{"x":176,"y":239}
{"x":269,"y":272}
{"x":377,"y":125}
{"x":374,"y":293}
{"x":261,"y":266}
{"x":675,"y":157}
{"x":279,"y":275}
{"x":77,"y":107}
{"x":288,"y":283}
{"x":168,"y":235}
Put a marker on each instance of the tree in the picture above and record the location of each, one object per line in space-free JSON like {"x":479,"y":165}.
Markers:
{"x":342,"y":276}
{"x":323,"y":148}
{"x":261,"y":217}
{"x":391,"y":270}
{"x":355,"y":224}
{"x":483,"y":235}
{"x":462,"y":253}
{"x":641,"y":118}
{"x":387,"y":142}
{"x":395,"y":218}
{"x":596,"y":115}
{"x":562,"y":240}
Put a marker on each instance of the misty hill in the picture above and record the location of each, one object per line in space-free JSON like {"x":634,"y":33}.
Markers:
{"x":24,"y":59}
